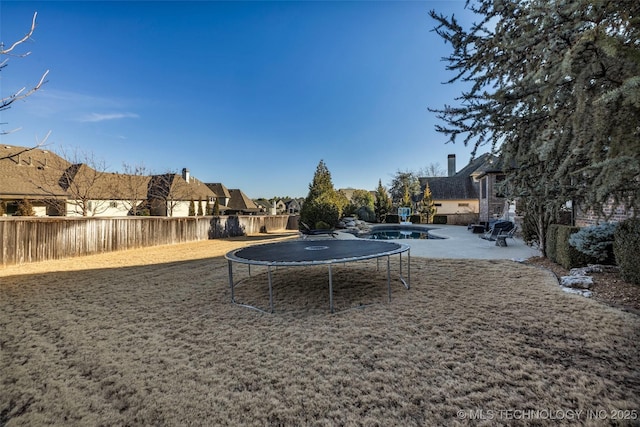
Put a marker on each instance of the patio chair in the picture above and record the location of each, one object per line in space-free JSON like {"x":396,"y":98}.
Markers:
{"x":497,"y":229}
{"x":307,"y":231}
{"x":501,"y":238}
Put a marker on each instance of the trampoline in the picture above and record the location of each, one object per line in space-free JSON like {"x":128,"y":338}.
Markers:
{"x":302,"y":253}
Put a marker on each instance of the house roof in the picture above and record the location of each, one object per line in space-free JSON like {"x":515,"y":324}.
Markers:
{"x":241,"y":202}
{"x":38,"y":173}
{"x":219,"y":190}
{"x":462,"y":185}
{"x":30,"y":173}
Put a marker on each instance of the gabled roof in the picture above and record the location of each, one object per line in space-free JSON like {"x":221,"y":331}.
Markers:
{"x":462,"y":185}
{"x":219,"y":190}
{"x":173,"y":186}
{"x":24,"y":173}
{"x":264,"y":203}
{"x":451,"y":187}
{"x":241,"y":202}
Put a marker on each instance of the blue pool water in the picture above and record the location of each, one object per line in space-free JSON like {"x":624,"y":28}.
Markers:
{"x":400,"y":232}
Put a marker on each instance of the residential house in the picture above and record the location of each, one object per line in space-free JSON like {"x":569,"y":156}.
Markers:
{"x":264,"y":206}
{"x":469,"y":193}
{"x":57,"y":187}
{"x":493,"y":204}
{"x":220,"y":193}
{"x":23,"y":173}
{"x":241,"y":204}
{"x":293,"y":206}
{"x":281,"y":206}
{"x":172,"y":194}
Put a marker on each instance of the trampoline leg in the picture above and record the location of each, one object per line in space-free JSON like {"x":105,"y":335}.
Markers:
{"x":407,"y":282}
{"x":231,"y":280}
{"x":388,"y":277}
{"x":330,"y":290}
{"x":409,"y":268}
{"x":270,"y":291}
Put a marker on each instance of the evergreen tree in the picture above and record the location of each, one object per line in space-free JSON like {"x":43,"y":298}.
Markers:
{"x":216,"y":208}
{"x":402,"y":183}
{"x":25,"y":208}
{"x":322,"y":206}
{"x":555,"y":87}
{"x":200,"y":209}
{"x":192,"y":208}
{"x":3,"y":209}
{"x":427,"y":205}
{"x":383,"y":203}
{"x":406,"y":198}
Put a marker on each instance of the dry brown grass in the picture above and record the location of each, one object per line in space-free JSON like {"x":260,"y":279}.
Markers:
{"x":149,"y":337}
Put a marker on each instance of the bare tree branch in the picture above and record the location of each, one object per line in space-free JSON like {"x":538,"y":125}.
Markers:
{"x":22,"y":40}
{"x":6,"y":102}
{"x":39,"y":144}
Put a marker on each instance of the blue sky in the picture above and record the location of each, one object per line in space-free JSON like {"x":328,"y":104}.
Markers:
{"x":250,"y":94}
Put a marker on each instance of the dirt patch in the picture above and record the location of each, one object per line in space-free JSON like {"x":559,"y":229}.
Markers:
{"x":609,"y":288}
{"x":149,"y":337}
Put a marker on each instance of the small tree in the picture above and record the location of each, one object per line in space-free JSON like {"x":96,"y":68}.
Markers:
{"x":216,"y":208}
{"x":322,"y":205}
{"x":383,"y":203}
{"x":200,"y":210}
{"x":192,"y":208}
{"x":427,"y":206}
{"x":404,"y":188}
{"x":133,"y":188}
{"x":596,"y":241}
{"x":25,"y":208}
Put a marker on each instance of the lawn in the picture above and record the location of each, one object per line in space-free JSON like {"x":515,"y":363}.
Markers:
{"x":149,"y":337}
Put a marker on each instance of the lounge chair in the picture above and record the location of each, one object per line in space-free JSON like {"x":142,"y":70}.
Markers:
{"x":307,"y":231}
{"x":501,"y":238}
{"x":497,"y":229}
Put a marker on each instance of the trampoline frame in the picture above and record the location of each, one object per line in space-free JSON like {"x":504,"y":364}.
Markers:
{"x":231,"y":258}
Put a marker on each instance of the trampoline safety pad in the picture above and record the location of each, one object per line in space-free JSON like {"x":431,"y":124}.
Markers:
{"x":306,"y":252}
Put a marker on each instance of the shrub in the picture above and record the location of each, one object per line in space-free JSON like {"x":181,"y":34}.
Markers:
{"x":626,"y":246}
{"x":25,"y":208}
{"x":392,"y":219}
{"x":550,"y":242}
{"x":595,"y":241}
{"x":319,"y":210}
{"x":566,"y":255}
{"x":439,"y":219}
{"x":365,"y":213}
{"x":321,"y":225}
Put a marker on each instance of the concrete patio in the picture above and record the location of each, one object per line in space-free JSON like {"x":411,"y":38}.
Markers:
{"x":459,"y":242}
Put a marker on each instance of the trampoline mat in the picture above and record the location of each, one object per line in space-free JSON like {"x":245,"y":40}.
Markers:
{"x":315,"y":251}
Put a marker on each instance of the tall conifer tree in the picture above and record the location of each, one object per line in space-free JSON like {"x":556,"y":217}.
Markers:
{"x":554,"y":87}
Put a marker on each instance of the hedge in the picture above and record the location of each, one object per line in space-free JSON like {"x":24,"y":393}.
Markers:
{"x":626,"y":247}
{"x":561,"y":252}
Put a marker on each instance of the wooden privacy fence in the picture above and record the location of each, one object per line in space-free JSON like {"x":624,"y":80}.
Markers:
{"x":33,"y":239}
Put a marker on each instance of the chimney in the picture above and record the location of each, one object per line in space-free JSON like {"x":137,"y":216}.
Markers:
{"x":185,"y":174}
{"x":451,"y":161}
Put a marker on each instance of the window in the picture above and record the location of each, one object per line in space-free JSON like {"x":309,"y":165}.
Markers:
{"x":483,"y":188}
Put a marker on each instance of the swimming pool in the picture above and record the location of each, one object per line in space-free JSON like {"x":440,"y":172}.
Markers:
{"x":395,"y":232}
